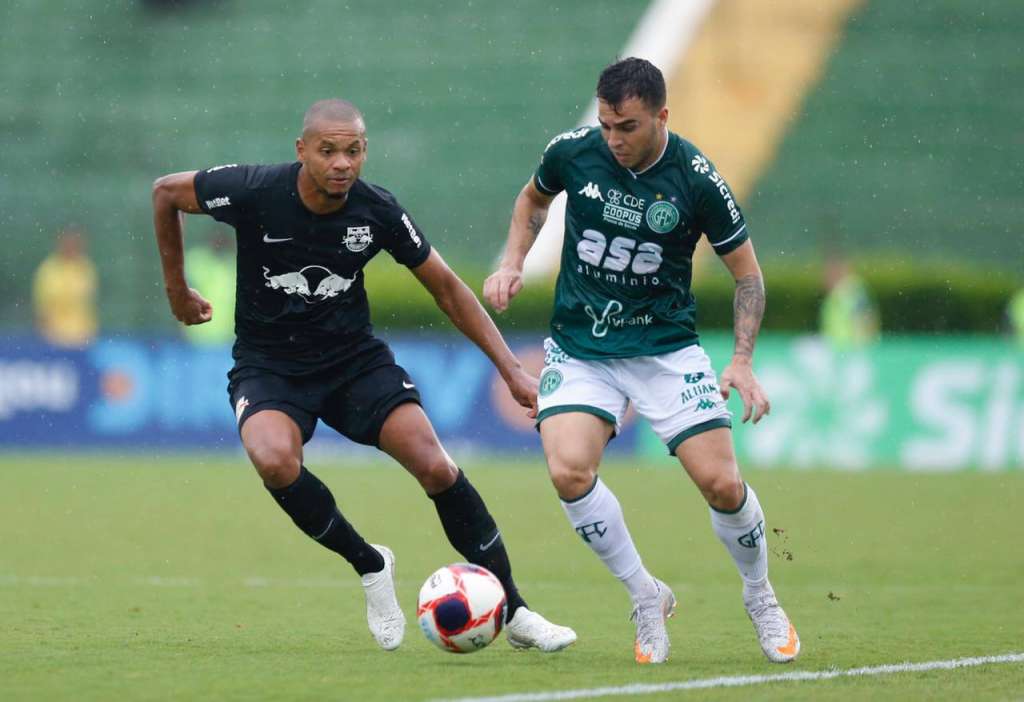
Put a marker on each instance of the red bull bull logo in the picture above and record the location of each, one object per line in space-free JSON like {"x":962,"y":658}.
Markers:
{"x":328,"y":283}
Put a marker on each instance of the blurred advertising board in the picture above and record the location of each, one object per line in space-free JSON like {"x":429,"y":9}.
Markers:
{"x":923,"y":403}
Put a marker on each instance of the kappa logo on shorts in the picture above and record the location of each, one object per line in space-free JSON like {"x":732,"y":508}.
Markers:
{"x":550,"y":381}
{"x":706,"y":404}
{"x":240,"y":407}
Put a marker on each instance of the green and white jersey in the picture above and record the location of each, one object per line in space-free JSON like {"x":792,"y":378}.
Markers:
{"x":624,"y":286}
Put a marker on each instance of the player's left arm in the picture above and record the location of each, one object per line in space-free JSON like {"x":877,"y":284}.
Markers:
{"x":748,"y":310}
{"x":458,"y":302}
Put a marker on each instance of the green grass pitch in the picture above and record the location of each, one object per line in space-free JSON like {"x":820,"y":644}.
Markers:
{"x":150,"y":578}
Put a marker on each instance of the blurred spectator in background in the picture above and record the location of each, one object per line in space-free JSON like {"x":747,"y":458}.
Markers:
{"x":849,"y":317}
{"x":64,"y":293}
{"x":211,"y":268}
{"x":1015,"y":315}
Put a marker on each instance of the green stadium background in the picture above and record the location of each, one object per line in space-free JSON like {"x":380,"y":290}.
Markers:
{"x":908,"y":149}
{"x":156,"y":567}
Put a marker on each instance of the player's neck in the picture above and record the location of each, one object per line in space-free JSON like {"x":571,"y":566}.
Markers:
{"x":313,"y":199}
{"x":656,"y":153}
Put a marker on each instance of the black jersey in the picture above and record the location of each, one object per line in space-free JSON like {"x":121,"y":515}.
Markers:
{"x":300,"y":304}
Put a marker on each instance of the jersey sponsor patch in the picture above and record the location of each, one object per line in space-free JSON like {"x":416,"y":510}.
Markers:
{"x":412,"y":230}
{"x":218,"y":202}
{"x":575,"y":134}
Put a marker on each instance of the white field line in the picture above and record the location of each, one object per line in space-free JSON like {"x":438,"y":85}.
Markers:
{"x":662,"y":36}
{"x":742,"y":680}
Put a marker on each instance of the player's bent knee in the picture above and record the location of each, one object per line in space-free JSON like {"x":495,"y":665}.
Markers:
{"x":571,"y":482}
{"x":276,"y":462}
{"x":724,"y":492}
{"x":437,"y":474}
{"x":427,"y":461}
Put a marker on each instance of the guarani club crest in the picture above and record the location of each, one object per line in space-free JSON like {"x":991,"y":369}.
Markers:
{"x":662,"y":217}
{"x":550,"y":381}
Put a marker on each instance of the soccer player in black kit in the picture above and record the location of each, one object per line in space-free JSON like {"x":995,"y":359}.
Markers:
{"x":304,"y":347}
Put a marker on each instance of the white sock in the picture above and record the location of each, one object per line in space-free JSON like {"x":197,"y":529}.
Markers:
{"x":597,"y":518}
{"x":743,"y":534}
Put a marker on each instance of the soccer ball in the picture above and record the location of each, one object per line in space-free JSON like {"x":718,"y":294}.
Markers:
{"x":461,"y":608}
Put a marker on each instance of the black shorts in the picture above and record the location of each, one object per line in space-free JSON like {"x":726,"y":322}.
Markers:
{"x":353,"y":398}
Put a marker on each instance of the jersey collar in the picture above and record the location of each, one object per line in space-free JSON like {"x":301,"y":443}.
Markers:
{"x":668,"y":138}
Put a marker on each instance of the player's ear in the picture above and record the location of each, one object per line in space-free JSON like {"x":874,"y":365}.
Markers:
{"x":663,"y":116}
{"x":300,"y":149}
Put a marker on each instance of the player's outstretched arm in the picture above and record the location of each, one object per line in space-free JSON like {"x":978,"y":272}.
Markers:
{"x":748,"y":309}
{"x":460,"y":304}
{"x":528,"y":216}
{"x":173,"y":196}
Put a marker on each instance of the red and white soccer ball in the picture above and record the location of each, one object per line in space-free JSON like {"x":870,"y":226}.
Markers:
{"x":461,"y":608}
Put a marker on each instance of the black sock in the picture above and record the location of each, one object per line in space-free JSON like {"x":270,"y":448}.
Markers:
{"x":311,"y":506}
{"x":472,"y":531}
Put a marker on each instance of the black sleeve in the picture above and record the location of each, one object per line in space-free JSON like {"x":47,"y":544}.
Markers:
{"x":405,"y":241}
{"x":223,"y":191}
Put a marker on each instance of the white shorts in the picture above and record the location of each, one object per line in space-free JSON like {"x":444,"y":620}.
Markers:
{"x":677,"y":392}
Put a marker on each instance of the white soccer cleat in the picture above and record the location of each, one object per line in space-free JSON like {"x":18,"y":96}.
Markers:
{"x":775,"y":632}
{"x":383,"y":615}
{"x":530,"y":630}
{"x":652,"y":642}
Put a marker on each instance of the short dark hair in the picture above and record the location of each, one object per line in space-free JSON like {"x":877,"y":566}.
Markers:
{"x":330,"y":110}
{"x":632,"y":77}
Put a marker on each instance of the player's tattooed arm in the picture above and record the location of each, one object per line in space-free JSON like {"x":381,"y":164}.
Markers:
{"x":748,"y":310}
{"x":536,"y":222}
{"x":528,"y":217}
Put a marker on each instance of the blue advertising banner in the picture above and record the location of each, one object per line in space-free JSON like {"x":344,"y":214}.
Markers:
{"x":917,"y":403}
{"x":134,"y":392}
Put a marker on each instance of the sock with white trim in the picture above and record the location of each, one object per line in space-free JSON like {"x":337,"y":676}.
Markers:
{"x":311,"y":506}
{"x":742,"y":533}
{"x":597,"y":518}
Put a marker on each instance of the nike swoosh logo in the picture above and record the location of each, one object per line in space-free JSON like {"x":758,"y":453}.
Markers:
{"x":408,"y":386}
{"x":491,"y":542}
{"x":268,"y":240}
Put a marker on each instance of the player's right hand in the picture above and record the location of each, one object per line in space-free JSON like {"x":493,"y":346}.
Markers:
{"x":189,"y":307}
{"x":501,"y":286}
{"x":523,"y":387}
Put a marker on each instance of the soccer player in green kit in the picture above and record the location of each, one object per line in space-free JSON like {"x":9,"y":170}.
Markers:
{"x":639,"y":198}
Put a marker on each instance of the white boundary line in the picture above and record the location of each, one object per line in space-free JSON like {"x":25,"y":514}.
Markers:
{"x":741,"y":680}
{"x":662,"y":36}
